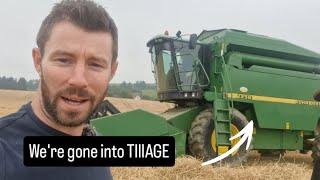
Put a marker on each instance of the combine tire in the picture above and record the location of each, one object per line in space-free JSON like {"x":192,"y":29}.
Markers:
{"x":202,"y":138}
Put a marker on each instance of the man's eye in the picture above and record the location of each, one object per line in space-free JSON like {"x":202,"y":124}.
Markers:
{"x":63,"y":61}
{"x":95,"y":65}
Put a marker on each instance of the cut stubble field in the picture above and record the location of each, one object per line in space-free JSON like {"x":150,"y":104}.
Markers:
{"x":292,"y":165}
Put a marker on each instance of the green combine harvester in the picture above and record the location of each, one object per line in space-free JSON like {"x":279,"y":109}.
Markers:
{"x":221,"y":80}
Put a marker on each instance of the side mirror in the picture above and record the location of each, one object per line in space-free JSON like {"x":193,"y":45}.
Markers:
{"x":193,"y":41}
{"x":178,"y":34}
{"x":150,"y":49}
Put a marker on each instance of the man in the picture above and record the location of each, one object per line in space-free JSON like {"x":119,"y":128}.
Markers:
{"x":316,"y":163}
{"x":75,"y":59}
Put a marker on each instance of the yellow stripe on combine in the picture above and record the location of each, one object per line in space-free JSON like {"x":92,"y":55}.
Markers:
{"x":271,"y":99}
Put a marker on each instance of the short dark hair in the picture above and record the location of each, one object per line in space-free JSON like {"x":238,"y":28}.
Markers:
{"x":83,"y":13}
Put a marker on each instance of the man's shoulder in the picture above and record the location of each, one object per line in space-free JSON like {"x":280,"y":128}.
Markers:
{"x":10,"y":119}
{"x":2,"y":162}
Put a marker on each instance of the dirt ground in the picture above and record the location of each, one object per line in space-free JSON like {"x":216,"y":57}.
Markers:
{"x":292,"y":166}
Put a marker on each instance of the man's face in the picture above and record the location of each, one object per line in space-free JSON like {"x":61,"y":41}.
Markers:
{"x":75,"y":70}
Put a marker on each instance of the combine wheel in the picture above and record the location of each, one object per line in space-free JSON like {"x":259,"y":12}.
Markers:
{"x":202,"y":137}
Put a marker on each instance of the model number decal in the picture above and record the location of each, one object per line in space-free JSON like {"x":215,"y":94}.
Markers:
{"x":271,"y":99}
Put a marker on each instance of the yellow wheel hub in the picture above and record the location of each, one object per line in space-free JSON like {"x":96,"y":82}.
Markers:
{"x":234,"y":131}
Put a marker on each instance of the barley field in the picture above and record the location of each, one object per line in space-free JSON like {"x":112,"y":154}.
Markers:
{"x":292,"y":166}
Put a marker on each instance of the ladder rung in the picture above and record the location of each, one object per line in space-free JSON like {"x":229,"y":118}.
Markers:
{"x":223,"y":109}
{"x":223,"y":132}
{"x":225,"y":120}
{"x":224,"y":144}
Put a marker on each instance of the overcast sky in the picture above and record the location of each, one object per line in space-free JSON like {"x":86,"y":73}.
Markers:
{"x":139,"y":20}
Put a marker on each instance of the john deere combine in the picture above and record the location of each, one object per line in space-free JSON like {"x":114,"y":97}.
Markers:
{"x":219,"y":81}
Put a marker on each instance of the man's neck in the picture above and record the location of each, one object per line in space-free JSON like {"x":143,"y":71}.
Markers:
{"x":38,"y":109}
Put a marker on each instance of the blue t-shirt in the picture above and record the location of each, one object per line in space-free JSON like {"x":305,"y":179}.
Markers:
{"x":13,"y":129}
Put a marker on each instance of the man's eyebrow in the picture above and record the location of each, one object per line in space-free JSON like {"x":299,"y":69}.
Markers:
{"x":61,"y":52}
{"x":93,"y":57}
{"x":99,"y":58}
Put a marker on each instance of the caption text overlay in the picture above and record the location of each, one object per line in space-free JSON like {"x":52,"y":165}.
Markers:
{"x":99,"y":151}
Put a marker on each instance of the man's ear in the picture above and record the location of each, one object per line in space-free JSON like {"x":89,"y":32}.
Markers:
{"x":114,"y":66}
{"x":36,"y":55}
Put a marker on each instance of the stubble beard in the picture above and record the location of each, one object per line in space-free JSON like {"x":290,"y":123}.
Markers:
{"x":72,"y":118}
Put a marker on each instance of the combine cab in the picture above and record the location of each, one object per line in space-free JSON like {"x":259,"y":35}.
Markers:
{"x":219,"y":81}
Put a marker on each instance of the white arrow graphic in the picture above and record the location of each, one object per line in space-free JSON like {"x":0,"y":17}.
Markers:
{"x":246,"y":133}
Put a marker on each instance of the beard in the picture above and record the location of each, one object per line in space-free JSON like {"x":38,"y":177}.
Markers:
{"x":68,"y":118}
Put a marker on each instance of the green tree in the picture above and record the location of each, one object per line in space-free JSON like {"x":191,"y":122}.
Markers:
{"x":22,"y":84}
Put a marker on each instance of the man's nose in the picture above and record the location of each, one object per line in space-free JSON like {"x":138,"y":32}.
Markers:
{"x":78,"y":78}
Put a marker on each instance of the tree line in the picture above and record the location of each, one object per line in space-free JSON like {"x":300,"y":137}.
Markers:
{"x":125,"y":89}
{"x":131,"y":90}
{"x":18,"y":84}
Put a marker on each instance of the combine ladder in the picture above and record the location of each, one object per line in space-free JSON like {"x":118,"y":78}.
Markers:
{"x":222,"y":123}
{"x":221,"y":107}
